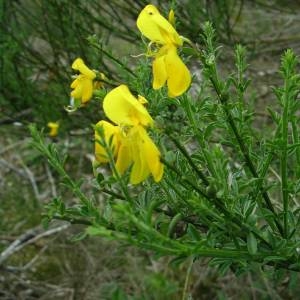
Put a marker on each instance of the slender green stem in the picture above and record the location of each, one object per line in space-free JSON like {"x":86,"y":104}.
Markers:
{"x":72,"y":220}
{"x":185,"y":180}
{"x":187,"y":277}
{"x":112,"y":193}
{"x":114,"y":59}
{"x":189,"y":159}
{"x":283,"y":158}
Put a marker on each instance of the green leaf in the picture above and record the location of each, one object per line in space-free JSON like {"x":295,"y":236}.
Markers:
{"x":193,"y":232}
{"x":79,"y":236}
{"x":251,"y":243}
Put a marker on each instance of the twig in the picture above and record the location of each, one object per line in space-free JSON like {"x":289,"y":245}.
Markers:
{"x":28,"y":238}
{"x":29,"y":264}
{"x":51,"y":180}
{"x":12,"y":167}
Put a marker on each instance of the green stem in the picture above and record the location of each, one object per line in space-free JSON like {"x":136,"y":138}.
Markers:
{"x":189,"y":159}
{"x":283,"y":159}
{"x":187,"y":277}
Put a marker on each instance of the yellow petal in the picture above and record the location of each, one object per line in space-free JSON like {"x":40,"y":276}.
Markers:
{"x":79,"y":65}
{"x":124,"y":158}
{"x":140,"y":170}
{"x":171,"y":17}
{"x":77,"y":92}
{"x":159,"y":72}
{"x":121,"y":107}
{"x":151,"y":155}
{"x":109,"y":131}
{"x":75,"y":82}
{"x":179,"y":77}
{"x":156,"y":28}
{"x":87,"y":90}
{"x":53,"y":126}
{"x":142,"y":99}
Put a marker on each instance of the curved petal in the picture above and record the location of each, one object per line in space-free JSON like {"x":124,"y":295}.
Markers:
{"x":140,"y":170}
{"x":159,"y":72}
{"x":79,"y":65}
{"x":87,"y":90}
{"x":179,"y":77}
{"x":151,"y":156}
{"x":156,"y":28}
{"x":53,"y":126}
{"x":146,"y":25}
{"x":167,"y":31}
{"x":124,"y":158}
{"x":109,"y":131}
{"x":77,"y":92}
{"x":75,"y":82}
{"x":121,"y":107}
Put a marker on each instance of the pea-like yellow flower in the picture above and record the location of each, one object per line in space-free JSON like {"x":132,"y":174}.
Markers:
{"x":53,"y":126}
{"x":83,"y":84}
{"x":167,"y":65}
{"x":128,"y":141}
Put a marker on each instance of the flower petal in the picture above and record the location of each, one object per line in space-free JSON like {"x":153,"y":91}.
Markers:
{"x":75,"y":82}
{"x":109,"y":131}
{"x":179,"y":77}
{"x":77,"y":92}
{"x":159,"y":72}
{"x":87,"y":90}
{"x":124,"y":158}
{"x":140,"y":170}
{"x":121,"y":107}
{"x":156,"y":28}
{"x":151,"y":155}
{"x":79,"y":65}
{"x":53,"y":126}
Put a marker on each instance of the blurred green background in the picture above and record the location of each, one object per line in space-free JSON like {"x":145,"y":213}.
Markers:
{"x":39,"y":41}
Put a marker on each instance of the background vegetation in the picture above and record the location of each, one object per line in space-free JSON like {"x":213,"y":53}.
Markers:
{"x":39,"y":41}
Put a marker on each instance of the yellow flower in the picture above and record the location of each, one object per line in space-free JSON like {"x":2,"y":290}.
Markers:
{"x":83,"y":84}
{"x":138,"y":149}
{"x":130,"y":143}
{"x":167,"y":65}
{"x":53,"y":126}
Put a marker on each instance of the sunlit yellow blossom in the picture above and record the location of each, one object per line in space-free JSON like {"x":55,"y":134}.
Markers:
{"x":167,"y":65}
{"x":138,"y":149}
{"x":131,"y":145}
{"x":53,"y":126}
{"x":83,"y":84}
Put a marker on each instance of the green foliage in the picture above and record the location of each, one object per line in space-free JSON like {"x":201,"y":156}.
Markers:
{"x":213,"y":200}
